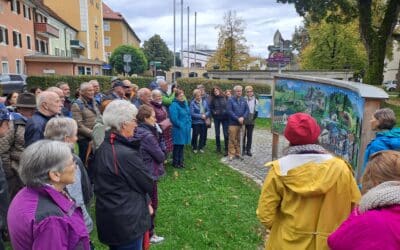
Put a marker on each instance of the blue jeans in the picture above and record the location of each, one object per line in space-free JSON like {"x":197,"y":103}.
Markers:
{"x":136,"y":244}
{"x":217,"y":125}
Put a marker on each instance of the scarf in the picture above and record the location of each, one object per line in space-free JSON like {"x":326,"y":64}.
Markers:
{"x":383,"y":195}
{"x":305,"y":149}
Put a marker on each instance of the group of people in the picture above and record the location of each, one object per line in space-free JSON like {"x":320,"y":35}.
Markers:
{"x":310,"y":198}
{"x":124,"y":138}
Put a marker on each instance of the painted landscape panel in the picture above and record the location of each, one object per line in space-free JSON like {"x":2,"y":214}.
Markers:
{"x":338,"y":111}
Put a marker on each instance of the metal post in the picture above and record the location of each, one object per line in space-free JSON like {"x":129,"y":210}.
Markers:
{"x":195,"y":41}
{"x":188,"y":44}
{"x":173,"y":73}
{"x":182,"y":33}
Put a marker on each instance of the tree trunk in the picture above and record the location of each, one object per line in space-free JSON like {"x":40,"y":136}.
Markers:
{"x":376,"y":60}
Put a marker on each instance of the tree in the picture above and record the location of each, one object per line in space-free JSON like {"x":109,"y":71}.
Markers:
{"x":333,"y":46}
{"x":300,"y":38}
{"x":377,"y":19}
{"x":138,"y":64}
{"x":232,"y":53}
{"x":156,"y":49}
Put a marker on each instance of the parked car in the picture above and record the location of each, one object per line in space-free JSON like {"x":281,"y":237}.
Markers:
{"x":12,"y":82}
{"x":390,"y":85}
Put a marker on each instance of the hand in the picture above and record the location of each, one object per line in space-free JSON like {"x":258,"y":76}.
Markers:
{"x":151,"y":210}
{"x":203,"y":116}
{"x":241,"y":119}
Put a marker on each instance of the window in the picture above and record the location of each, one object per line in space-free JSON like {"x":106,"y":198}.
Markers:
{"x":62,"y":52}
{"x":37,"y":45}
{"x":29,"y":13}
{"x":15,"y":6}
{"x":107,"y":41}
{"x":88,"y":71}
{"x":56,"y":51}
{"x":24,"y":11}
{"x":18,"y":66}
{"x":3,"y":35}
{"x":17,"y":39}
{"x":106,"y":26}
{"x":81,"y":70}
{"x":4,"y":67}
{"x":28,"y":42}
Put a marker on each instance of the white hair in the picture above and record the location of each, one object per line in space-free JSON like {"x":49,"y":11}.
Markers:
{"x":60,"y":127}
{"x":238,"y":87}
{"x":40,"y":158}
{"x":84,"y":86}
{"x":118,"y":112}
{"x":155,"y":92}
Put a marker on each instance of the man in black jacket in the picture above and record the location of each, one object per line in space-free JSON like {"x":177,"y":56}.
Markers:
{"x":4,"y":198}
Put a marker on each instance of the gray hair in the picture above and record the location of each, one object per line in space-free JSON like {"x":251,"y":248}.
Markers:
{"x":43,"y":97}
{"x":386,"y":118}
{"x":160,"y":81}
{"x":60,"y":127}
{"x":155,"y":92}
{"x":93,"y":81}
{"x":237,"y":87}
{"x":118,"y":112}
{"x":40,"y":158}
{"x":84,"y":86}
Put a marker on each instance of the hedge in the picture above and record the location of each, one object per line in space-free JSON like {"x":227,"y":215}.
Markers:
{"x":74,"y":81}
{"x":189,"y":84}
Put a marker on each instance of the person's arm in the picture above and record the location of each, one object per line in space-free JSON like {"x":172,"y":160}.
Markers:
{"x":270,"y":200}
{"x":54,"y":233}
{"x":206,"y":109}
{"x":193,"y":110}
{"x":173,"y":114}
{"x":151,"y":146}
{"x":231,"y":112}
{"x":136,"y":173}
{"x":77,"y":115}
{"x":167,"y":100}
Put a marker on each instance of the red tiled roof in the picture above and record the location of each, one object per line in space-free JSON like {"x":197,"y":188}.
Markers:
{"x":108,"y":13}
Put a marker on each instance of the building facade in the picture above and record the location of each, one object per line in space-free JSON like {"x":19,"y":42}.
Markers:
{"x":16,"y":35}
{"x":117,"y":31}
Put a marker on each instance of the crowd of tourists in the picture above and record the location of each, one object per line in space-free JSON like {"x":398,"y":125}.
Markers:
{"x":122,"y":138}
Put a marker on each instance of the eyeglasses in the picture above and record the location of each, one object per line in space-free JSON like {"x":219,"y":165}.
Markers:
{"x":249,"y":91}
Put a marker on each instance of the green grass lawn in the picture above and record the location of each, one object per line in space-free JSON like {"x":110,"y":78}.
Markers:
{"x":207,"y":205}
{"x":263,"y":123}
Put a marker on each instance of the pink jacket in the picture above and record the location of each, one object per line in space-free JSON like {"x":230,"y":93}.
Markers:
{"x":374,"y":229}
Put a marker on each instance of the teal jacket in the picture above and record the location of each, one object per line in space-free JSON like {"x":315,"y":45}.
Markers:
{"x":179,"y":114}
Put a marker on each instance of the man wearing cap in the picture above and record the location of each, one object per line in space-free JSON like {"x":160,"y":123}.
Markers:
{"x":4,"y":197}
{"x":49,"y":105}
{"x":307,"y":193}
{"x":85,"y":113}
{"x":12,"y":144}
{"x":118,"y":92}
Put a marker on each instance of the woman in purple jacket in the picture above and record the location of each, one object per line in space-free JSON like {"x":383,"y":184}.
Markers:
{"x":43,"y":215}
{"x":152,"y":154}
{"x":375,"y":224}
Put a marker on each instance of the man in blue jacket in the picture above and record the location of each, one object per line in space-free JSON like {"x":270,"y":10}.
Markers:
{"x":49,"y":105}
{"x":238,"y":110}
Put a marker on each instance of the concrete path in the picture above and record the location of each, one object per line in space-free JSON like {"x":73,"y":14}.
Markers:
{"x":253,"y":167}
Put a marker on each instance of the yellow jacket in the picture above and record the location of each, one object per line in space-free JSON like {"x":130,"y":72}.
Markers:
{"x":305,"y":197}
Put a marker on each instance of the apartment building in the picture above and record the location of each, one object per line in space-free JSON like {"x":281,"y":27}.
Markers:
{"x":117,"y":31}
{"x":17,"y":37}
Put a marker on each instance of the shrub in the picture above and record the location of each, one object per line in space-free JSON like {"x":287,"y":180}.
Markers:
{"x":74,"y":81}
{"x":189,"y":84}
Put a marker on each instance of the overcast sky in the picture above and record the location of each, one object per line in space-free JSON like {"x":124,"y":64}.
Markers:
{"x":262,"y":18}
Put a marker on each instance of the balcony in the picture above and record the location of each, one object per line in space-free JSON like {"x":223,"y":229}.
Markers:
{"x":46,"y":30}
{"x":76,"y":44}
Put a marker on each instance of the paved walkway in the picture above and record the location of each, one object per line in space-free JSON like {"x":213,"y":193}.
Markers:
{"x":253,"y":167}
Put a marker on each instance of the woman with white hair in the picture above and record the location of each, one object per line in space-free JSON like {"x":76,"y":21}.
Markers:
{"x":65,"y":129}
{"x":121,"y":182}
{"x":42,"y":215}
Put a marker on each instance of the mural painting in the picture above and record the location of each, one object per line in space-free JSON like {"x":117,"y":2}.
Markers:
{"x":338,"y":111}
{"x":264,"y":106}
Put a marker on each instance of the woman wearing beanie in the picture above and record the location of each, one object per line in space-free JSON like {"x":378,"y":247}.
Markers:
{"x":375,"y":224}
{"x":307,"y":193}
